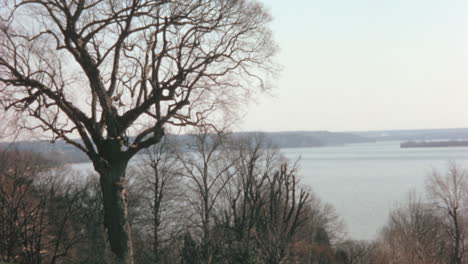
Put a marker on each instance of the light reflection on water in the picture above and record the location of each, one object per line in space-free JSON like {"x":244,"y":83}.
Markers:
{"x":365,"y":181}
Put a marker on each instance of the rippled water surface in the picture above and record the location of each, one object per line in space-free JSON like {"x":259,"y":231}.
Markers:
{"x":365,"y":181}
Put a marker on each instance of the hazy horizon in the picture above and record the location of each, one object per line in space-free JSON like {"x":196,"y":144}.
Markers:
{"x":351,"y":131}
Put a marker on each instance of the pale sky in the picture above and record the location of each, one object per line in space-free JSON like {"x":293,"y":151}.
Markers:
{"x":367,"y":65}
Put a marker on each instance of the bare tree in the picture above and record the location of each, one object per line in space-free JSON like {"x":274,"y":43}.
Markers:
{"x":19,"y":211}
{"x":8,"y":127}
{"x":282,"y":214}
{"x":266,"y":213}
{"x":254,"y":157}
{"x":92,"y":247}
{"x":448,"y":193}
{"x":108,"y":70}
{"x":37,"y":210}
{"x":414,"y":234}
{"x":358,"y":252}
{"x":158,"y":177}
{"x":208,"y":172}
{"x":319,"y":233}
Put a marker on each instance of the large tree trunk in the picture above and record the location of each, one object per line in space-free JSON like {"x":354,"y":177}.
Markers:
{"x":113,"y":185}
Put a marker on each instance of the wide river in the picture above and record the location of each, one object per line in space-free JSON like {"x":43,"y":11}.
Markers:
{"x":364,"y":182}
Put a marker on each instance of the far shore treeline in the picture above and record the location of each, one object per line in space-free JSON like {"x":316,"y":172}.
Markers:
{"x":290,"y":139}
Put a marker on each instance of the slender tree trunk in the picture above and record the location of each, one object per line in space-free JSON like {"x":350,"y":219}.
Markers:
{"x":456,"y":254}
{"x":157,"y":222}
{"x":113,"y":185}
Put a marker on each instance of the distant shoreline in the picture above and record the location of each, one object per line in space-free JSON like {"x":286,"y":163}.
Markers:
{"x":434,"y":144}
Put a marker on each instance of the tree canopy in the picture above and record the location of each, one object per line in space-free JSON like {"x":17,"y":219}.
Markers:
{"x":115,"y":69}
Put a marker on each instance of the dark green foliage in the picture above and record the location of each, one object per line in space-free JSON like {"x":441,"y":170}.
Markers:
{"x":190,"y":250}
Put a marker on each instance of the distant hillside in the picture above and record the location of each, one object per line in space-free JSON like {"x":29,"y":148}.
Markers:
{"x":59,"y":150}
{"x":416,"y":134}
{"x":299,"y":139}
{"x":67,"y":153}
{"x":294,"y":139}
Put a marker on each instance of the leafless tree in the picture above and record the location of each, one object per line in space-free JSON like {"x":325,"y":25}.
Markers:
{"x":415,"y":234}
{"x":282,"y":214}
{"x":8,"y":127}
{"x":36,"y":210}
{"x":92,"y":247}
{"x":323,"y":215}
{"x":317,"y":236}
{"x":267,"y":215}
{"x":359,"y":252}
{"x":254,"y":157}
{"x":16,"y":207}
{"x":158,"y":179}
{"x":207,"y":172}
{"x":448,"y":193}
{"x":117,"y":72}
